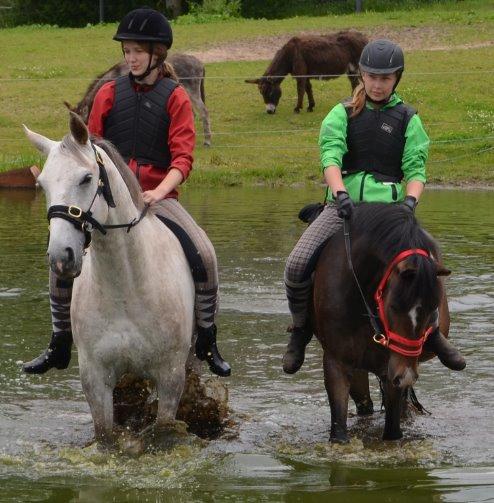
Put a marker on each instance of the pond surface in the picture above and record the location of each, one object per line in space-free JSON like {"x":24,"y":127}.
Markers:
{"x":278,"y":449}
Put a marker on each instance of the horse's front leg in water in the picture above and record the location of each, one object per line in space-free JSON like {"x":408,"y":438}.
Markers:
{"x":393,"y":403}
{"x":169,"y":386}
{"x":98,"y":384}
{"x":337,"y":378}
{"x":360,"y":393}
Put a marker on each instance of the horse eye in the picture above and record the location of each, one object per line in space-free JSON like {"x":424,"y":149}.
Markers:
{"x":86,"y":179}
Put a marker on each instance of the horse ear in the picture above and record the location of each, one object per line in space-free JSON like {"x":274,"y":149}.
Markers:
{"x":442,"y":271}
{"x":69,"y":106}
{"x":78,"y":129}
{"x":252,"y":81}
{"x":43,"y":144}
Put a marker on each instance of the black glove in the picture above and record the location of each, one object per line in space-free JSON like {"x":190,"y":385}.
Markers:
{"x":410,"y":203}
{"x":344,"y":204}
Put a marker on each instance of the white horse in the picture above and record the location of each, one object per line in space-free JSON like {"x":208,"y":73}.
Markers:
{"x":133,"y":299}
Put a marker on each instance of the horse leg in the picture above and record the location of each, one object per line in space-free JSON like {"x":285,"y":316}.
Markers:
{"x":301,"y":84}
{"x":200,"y":106}
{"x":337,"y":381}
{"x":310,"y":96}
{"x":169,"y":386}
{"x":393,"y":403}
{"x":98,"y":384}
{"x":359,"y":391}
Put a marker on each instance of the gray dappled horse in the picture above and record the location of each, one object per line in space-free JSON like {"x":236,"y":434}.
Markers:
{"x":190,"y":72}
{"x":133,"y":301}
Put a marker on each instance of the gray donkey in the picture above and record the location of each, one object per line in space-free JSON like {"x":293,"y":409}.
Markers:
{"x":190,"y":72}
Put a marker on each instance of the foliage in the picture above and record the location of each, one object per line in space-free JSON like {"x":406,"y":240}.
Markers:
{"x":276,"y":9}
{"x":70,"y":13}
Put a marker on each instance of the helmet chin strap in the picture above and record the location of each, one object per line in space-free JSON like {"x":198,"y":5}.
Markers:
{"x":149,"y":69}
{"x":386,"y":100}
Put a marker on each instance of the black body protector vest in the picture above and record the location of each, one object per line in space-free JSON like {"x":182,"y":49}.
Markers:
{"x":376,"y":140}
{"x":138,"y":122}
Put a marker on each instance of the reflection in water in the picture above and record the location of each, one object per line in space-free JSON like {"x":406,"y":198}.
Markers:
{"x":278,"y":448}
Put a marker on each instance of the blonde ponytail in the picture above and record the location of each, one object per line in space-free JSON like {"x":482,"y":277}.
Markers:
{"x":358,"y":100}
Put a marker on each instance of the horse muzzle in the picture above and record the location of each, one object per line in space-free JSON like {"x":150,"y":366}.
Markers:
{"x":65,"y":265}
{"x":402,"y":371}
{"x":270,"y":108}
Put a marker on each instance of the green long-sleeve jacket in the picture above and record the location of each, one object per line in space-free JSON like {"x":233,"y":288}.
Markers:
{"x":363,"y":186}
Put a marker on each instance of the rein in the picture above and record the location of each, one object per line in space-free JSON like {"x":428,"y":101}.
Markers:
{"x":388,"y":339}
{"x":79,"y":218}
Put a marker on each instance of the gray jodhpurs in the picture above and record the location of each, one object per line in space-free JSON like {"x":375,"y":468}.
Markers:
{"x":302,"y":261}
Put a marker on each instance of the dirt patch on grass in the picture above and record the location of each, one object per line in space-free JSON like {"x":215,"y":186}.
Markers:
{"x":259,"y":48}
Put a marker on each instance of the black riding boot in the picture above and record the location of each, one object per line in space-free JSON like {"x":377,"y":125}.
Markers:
{"x":56,"y":356}
{"x":206,"y":349}
{"x":448,"y":355}
{"x":295,"y":350}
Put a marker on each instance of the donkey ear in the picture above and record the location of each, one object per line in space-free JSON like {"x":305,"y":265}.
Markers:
{"x":69,"y":106}
{"x":252,"y":81}
{"x":442,"y":271}
{"x":43,"y":144}
{"x":78,"y":129}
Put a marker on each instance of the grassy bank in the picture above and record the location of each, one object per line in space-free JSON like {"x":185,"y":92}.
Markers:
{"x":42,"y":66}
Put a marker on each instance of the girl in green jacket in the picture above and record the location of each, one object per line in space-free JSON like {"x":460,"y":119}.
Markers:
{"x":369,"y":144}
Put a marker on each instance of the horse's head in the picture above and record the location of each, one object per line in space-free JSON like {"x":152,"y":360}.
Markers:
{"x":408,"y":310}
{"x":270,"y":89}
{"x":70,"y":180}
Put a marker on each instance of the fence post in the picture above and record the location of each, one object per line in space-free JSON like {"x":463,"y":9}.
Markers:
{"x":101,"y":11}
{"x":358,"y":5}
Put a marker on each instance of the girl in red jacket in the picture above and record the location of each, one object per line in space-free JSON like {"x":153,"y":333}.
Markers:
{"x":148,"y":116}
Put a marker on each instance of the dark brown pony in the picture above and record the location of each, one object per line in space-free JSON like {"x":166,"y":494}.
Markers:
{"x":324,"y":56}
{"x":411,"y":296}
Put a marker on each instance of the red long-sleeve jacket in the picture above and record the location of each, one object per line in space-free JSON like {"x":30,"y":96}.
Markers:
{"x":181,"y":135}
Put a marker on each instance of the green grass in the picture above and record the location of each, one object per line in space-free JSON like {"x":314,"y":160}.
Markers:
{"x":250,"y":146}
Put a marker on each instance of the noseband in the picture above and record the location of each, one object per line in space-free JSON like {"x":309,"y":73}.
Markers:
{"x":80,"y":219}
{"x":388,"y":339}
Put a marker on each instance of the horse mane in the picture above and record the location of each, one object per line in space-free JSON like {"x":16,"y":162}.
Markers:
{"x":128,"y":177}
{"x":125,"y":172}
{"x":384,"y":230}
{"x":283,"y":60}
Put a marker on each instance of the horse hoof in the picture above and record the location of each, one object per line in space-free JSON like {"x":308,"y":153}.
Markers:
{"x":366,"y":410}
{"x":207,"y":143}
{"x":296,"y":110}
{"x":393,"y":436}
{"x":310,"y":109}
{"x":339,"y":440}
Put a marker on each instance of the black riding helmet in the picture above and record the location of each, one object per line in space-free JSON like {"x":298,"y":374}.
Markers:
{"x":145,"y":25}
{"x":382,"y":56}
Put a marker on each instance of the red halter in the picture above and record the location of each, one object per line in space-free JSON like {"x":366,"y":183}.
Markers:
{"x":391,"y":340}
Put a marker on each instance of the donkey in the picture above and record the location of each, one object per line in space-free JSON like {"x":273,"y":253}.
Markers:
{"x":190,"y":72}
{"x":129,"y":316}
{"x":305,"y":57}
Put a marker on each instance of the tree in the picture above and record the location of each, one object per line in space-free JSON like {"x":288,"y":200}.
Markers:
{"x":175,"y":7}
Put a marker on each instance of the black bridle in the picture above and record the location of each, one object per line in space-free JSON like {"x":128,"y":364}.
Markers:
{"x":80,"y":219}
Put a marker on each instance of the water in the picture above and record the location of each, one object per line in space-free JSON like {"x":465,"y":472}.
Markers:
{"x":277,"y":448}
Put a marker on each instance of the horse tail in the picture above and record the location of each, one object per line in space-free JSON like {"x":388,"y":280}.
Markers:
{"x":203,"y":93}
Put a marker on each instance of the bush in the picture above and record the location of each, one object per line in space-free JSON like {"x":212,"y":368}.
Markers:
{"x":275,"y":9}
{"x":73,"y":14}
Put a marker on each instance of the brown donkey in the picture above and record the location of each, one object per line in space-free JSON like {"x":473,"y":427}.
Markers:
{"x":190,"y":72}
{"x":305,"y":57}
